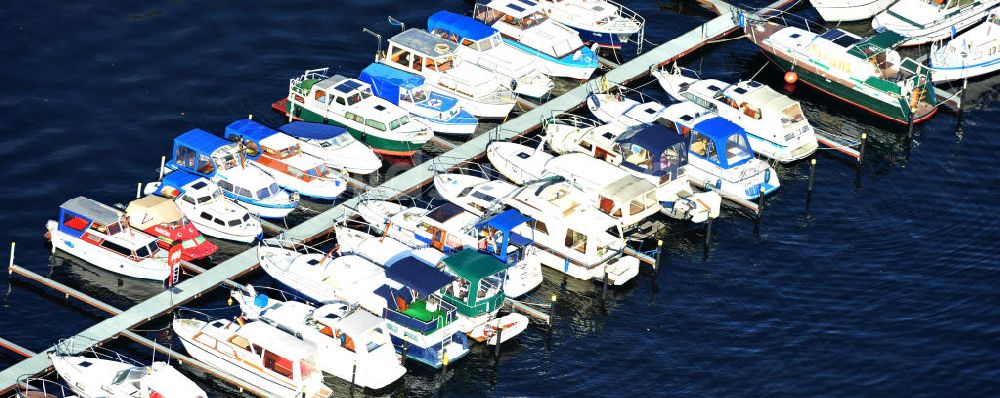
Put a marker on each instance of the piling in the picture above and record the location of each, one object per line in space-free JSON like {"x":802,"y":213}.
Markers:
{"x":11,"y":263}
{"x":812,"y":174}
{"x":659,"y":255}
{"x":138,"y":190}
{"x":708,"y":234}
{"x":496,"y":350}
{"x":861,"y":151}
{"x":163,"y":163}
{"x":961,"y":100}
{"x":604,"y":287}
{"x":760,"y":203}
{"x":354,"y":374}
{"x":444,"y":361}
{"x":402,"y":360}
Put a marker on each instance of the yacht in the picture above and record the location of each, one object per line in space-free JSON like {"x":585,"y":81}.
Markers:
{"x":970,"y":54}
{"x":335,"y":146}
{"x":849,"y":10}
{"x":924,"y":21}
{"x":160,"y":217}
{"x":98,"y":372}
{"x":441,"y":112}
{"x":204,"y":204}
{"x":603,"y":22}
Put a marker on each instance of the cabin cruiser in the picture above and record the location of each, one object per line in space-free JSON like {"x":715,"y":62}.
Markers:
{"x":441,"y":112}
{"x":207,"y":155}
{"x":101,"y":235}
{"x":719,"y":153}
{"x":255,"y":352}
{"x":924,"y":21}
{"x":160,"y":217}
{"x":280,"y":156}
{"x":774,"y":123}
{"x":970,"y":54}
{"x":105,"y":373}
{"x":849,"y":10}
{"x":615,"y":106}
{"x":478,"y":90}
{"x":483,"y":46}
{"x":335,"y":146}
{"x":351,"y":343}
{"x":204,"y":204}
{"x":558,"y":49}
{"x":603,"y":22}
{"x":338,"y":100}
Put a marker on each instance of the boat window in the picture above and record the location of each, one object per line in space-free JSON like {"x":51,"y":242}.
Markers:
{"x":320,"y":95}
{"x":145,"y":251}
{"x":187,"y":244}
{"x":486,"y":44}
{"x":114,"y":228}
{"x":220,"y":222}
{"x":226,"y":185}
{"x":204,"y":199}
{"x":294,"y":172}
{"x":354,"y":98}
{"x":188,"y":199}
{"x":395,"y":124}
{"x":639,"y":157}
{"x":352,"y":116}
{"x":233,"y":223}
{"x":243,"y":192}
{"x":700,"y":144}
{"x":791,"y":115}
{"x":129,"y":374}
{"x":250,"y":148}
{"x":376,"y":338}
{"x":671,"y":158}
{"x":737,"y":149}
{"x":424,"y":226}
{"x":576,"y":241}
{"x":750,"y":110}
{"x":540,"y":227}
{"x":279,"y":365}
{"x":116,"y":248}
{"x":246,"y":216}
{"x":375,"y":124}
{"x":263,"y":193}
{"x":365,"y":93}
{"x":615,"y":232}
{"x":636,"y":207}
{"x":401,"y":57}
{"x":444,"y":64}
{"x":206,"y":216}
{"x":185,"y":157}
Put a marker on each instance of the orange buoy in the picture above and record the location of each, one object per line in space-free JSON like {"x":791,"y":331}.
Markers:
{"x":791,"y":77}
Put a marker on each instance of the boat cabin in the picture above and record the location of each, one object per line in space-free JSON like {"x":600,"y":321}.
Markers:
{"x":415,"y":51}
{"x":347,"y":98}
{"x":162,"y":218}
{"x":654,"y":150}
{"x":206,"y":154}
{"x":477,"y":288}
{"x":200,"y":192}
{"x":259,"y":346}
{"x":443,"y":226}
{"x":613,"y":190}
{"x":358,"y":331}
{"x":463,"y":30}
{"x":525,"y":21}
{"x":100,"y":225}
{"x":496,"y":237}
{"x":411,"y":296}
{"x":712,"y":138}
{"x":397,"y":86}
{"x":275,"y":150}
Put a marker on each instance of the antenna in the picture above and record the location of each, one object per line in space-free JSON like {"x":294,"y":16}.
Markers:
{"x":377,"y":36}
{"x":396,"y":22}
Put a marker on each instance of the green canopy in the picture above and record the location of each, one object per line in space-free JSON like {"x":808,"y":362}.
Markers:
{"x":471,"y":265}
{"x":869,"y":47}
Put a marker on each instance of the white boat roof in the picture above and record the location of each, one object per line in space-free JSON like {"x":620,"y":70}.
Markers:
{"x":578,"y":215}
{"x":92,"y":209}
{"x":686,"y":112}
{"x":276,"y":341}
{"x":627,"y":188}
{"x":359,"y":322}
{"x":514,"y":8}
{"x":760,"y":96}
{"x":587,"y":168}
{"x":151,"y":210}
{"x":353,"y":271}
{"x":424,"y":43}
{"x":340,"y":84}
{"x":279,"y":141}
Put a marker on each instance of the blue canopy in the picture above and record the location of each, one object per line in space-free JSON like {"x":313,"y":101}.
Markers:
{"x":386,"y":81}
{"x":717,"y":128}
{"x":177,"y":179}
{"x":505,"y":221}
{"x":459,"y":25}
{"x":655,"y":138}
{"x":418,"y":275}
{"x":200,"y":140}
{"x":315,"y":131}
{"x":249,"y":129}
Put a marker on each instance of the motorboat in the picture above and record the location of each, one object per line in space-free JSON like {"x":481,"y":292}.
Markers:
{"x":255,"y":352}
{"x":98,"y":372}
{"x":603,"y":22}
{"x":386,"y":128}
{"x":652,"y":152}
{"x":207,"y":155}
{"x":160,"y":217}
{"x":970,"y":54}
{"x":101,"y":235}
{"x":615,"y":105}
{"x":351,"y":343}
{"x":204,"y":204}
{"x":483,"y":46}
{"x":479,"y":91}
{"x":719,"y":153}
{"x":280,"y":156}
{"x":557,"y":48}
{"x":774,"y":123}
{"x":924,"y":21}
{"x":443,"y":113}
{"x":849,"y":10}
{"x":866,"y":73}
{"x":335,"y":146}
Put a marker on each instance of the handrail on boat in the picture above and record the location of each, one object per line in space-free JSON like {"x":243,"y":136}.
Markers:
{"x":68,"y":347}
{"x":29,"y":383}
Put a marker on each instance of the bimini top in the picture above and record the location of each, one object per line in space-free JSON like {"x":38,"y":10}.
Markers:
{"x":313,"y":131}
{"x":655,"y":138}
{"x":424,"y":43}
{"x":459,"y":25}
{"x":472,"y":265}
{"x":201,"y":141}
{"x":877,"y":44}
{"x":249,"y":129}
{"x":514,"y":8}
{"x":386,"y":81}
{"x":92,"y":209}
{"x":418,"y":275}
{"x":505,"y":221}
{"x":148,"y":211}
{"x":717,"y":128}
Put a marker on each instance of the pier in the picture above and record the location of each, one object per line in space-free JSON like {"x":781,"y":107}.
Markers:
{"x":321,"y":225}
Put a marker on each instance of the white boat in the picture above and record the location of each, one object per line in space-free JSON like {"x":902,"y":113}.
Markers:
{"x":443,"y":113}
{"x":478,"y":90}
{"x":614,"y":105}
{"x":558,"y":49}
{"x":207,"y":155}
{"x":970,"y":54}
{"x":101,"y":235}
{"x":849,"y":10}
{"x":351,"y":343}
{"x":256,"y":353}
{"x":651,"y":152}
{"x":604,"y":22}
{"x":204,"y":204}
{"x":101,"y":373}
{"x":483,"y":46}
{"x":335,"y":146}
{"x":719,"y":153}
{"x":161,"y":218}
{"x":924,"y":21}
{"x":774,"y":123}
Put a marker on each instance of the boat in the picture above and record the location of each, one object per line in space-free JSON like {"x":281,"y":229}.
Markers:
{"x":101,"y":235}
{"x":280,"y":156}
{"x":335,"y":145}
{"x":737,"y":172}
{"x":160,"y":217}
{"x":774,"y":123}
{"x":207,"y":155}
{"x":441,"y":112}
{"x":426,"y":323}
{"x":970,"y":54}
{"x":351,"y":343}
{"x":602,"y":22}
{"x":204,"y":204}
{"x":483,"y":46}
{"x":98,"y":372}
{"x":924,"y":21}
{"x":255,"y":352}
{"x":386,"y":128}
{"x":615,"y":106}
{"x":478,"y":90}
{"x":866,"y":73}
{"x":849,"y":10}
{"x":558,"y":49}
{"x":650,"y":152}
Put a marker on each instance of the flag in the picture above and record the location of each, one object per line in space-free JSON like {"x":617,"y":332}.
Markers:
{"x":173,"y":260}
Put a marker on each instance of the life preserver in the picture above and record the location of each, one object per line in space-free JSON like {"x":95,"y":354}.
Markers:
{"x":440,"y":48}
{"x":434,"y":102}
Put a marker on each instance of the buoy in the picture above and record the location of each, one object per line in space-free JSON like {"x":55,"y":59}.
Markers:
{"x":791,"y":77}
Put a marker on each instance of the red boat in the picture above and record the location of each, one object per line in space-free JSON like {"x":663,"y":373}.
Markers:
{"x":161,"y":218}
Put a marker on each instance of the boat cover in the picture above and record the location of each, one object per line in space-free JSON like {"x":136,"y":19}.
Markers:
{"x":472,"y":265}
{"x":505,"y":221}
{"x":418,"y":275}
{"x":879,"y":43}
{"x":314,"y":131}
{"x":249,"y":129}
{"x":655,"y":138}
{"x":717,"y":128}
{"x":423,"y":43}
{"x":200,"y":140}
{"x":148,"y":211}
{"x":459,"y":25}
{"x":177,"y":179}
{"x":92,"y":210}
{"x":386,"y":81}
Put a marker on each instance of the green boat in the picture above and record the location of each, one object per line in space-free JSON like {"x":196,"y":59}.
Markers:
{"x":477,"y":294}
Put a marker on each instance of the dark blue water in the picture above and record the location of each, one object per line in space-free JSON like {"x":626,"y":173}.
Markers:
{"x":884,"y":284}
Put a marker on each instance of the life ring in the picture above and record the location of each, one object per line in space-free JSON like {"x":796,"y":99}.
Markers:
{"x":440,"y":48}
{"x":434,"y":102}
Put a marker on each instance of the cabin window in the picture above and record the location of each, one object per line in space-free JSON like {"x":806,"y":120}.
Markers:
{"x":116,"y":248}
{"x":340,"y":100}
{"x":206,"y":216}
{"x":205,"y":339}
{"x":220,"y":222}
{"x":671,"y":157}
{"x":586,"y":145}
{"x":320,"y":96}
{"x":354,"y":99}
{"x":791,"y":115}
{"x":356,"y":118}
{"x":375,"y":124}
{"x":639,"y":157}
{"x":486,"y":44}
{"x":279,"y":365}
{"x":444,"y":65}
{"x":185,"y":157}
{"x":418,"y":62}
{"x":188,"y":199}
{"x":114,"y":228}
{"x":395,"y":124}
{"x":636,"y":207}
{"x":469,"y":43}
{"x":205,"y":165}
{"x":295,"y":172}
{"x":700,"y":144}
{"x":539,"y":226}
{"x":737,"y":149}
{"x":226,"y":185}
{"x":147,"y":250}
{"x":250,"y":148}
{"x":401,"y":57}
{"x":243,"y":192}
{"x":576,"y":241}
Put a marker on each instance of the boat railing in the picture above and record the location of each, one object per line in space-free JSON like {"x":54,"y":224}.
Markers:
{"x":383,"y":193}
{"x":283,"y":242}
{"x":29,"y":386}
{"x":253,"y":291}
{"x":625,"y":16}
{"x":74,"y":346}
{"x":601,"y":87}
{"x":293,"y":83}
{"x":569,"y":119}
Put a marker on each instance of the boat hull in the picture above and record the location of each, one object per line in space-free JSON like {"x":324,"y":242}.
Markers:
{"x":383,"y":145}
{"x":840,"y":10}
{"x":940,"y":29}
{"x":153,"y":269}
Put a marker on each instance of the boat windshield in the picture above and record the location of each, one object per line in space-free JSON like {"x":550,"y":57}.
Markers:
{"x":147,"y":250}
{"x":337,"y":142}
{"x":308,"y":370}
{"x":791,"y":115}
{"x":286,"y":152}
{"x":376,"y":338}
{"x":190,"y":243}
{"x":226,"y":157}
{"x":489,"y":43}
{"x":737,"y":149}
{"x":130,"y":374}
{"x":637,"y":156}
{"x":526,"y":22}
{"x":114,"y":228}
{"x":268,"y":191}
{"x":317,"y":171}
{"x":395,"y":124}
{"x":672,"y":157}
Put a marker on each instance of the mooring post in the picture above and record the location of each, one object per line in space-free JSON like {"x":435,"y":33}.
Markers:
{"x":861,"y":151}
{"x":163,"y":164}
{"x":760,"y":202}
{"x":604,"y":287}
{"x":961,"y":99}
{"x":708,"y":234}
{"x":402,"y":361}
{"x":250,"y":116}
{"x":138,"y":190}
{"x":552,"y":314}
{"x":496,"y":351}
{"x":11,"y":263}
{"x":812,"y":173}
{"x":354,"y":373}
{"x":659,"y":255}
